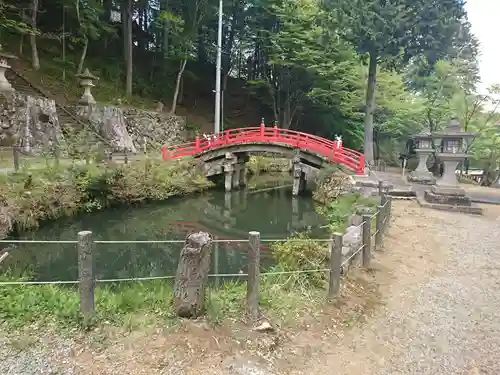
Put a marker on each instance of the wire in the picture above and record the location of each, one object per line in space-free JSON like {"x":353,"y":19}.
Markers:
{"x":149,"y":278}
{"x":352,"y":256}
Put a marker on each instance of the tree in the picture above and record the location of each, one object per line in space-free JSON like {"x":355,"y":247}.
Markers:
{"x":300,"y":64}
{"x":192,"y":16}
{"x":35,"y":60}
{"x":128,"y":46}
{"x":389,"y":32}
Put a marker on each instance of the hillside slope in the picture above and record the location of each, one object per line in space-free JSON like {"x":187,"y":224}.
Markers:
{"x":196,"y":102}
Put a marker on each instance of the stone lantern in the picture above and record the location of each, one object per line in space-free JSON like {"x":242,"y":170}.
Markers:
{"x":87,"y":82}
{"x":447,"y":193}
{"x":423,"y":149}
{"x":5,"y":86}
{"x":454,"y":143}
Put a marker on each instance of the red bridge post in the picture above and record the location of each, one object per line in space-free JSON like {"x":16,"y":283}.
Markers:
{"x":361,"y":164}
{"x":197,"y":144}
{"x":164,"y":152}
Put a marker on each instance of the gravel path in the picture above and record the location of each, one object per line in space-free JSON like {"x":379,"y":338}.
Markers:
{"x":442,"y":311}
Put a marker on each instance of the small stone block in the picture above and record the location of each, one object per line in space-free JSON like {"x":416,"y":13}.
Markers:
{"x":448,"y":190}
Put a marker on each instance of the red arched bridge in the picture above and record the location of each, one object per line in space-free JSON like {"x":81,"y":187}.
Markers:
{"x":332,"y":151}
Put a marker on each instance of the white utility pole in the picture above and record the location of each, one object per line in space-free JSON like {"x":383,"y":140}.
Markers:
{"x":218,"y":71}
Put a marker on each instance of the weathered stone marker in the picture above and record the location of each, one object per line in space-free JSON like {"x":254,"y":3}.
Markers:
{"x":253,"y":276}
{"x":86,"y":282}
{"x":192,"y":275}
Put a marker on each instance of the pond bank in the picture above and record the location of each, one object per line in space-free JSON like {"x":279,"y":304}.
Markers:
{"x":29,"y":198}
{"x":283,"y":297}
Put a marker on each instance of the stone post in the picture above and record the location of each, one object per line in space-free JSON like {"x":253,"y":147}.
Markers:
{"x":192,"y":275}
{"x":253,"y":276}
{"x":86,"y":282}
{"x":299,"y":178}
{"x":87,"y":82}
{"x":243,"y":176}
{"x":228,"y":166}
{"x":236,"y":176}
{"x":228,"y":198}
{"x":228,"y":177}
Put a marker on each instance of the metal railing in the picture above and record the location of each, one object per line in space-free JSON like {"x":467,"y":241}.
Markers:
{"x":339,"y":263}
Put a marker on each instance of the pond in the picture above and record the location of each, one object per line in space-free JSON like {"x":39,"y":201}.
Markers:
{"x":266,"y":208}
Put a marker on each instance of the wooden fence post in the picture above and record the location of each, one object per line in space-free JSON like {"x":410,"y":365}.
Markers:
{"x":15,"y":156}
{"x":367,"y":246}
{"x":253,"y":276}
{"x":378,"y":227}
{"x":384,"y":204}
{"x":380,"y":188}
{"x":335,"y":265}
{"x":389,"y":211}
{"x":86,"y":282}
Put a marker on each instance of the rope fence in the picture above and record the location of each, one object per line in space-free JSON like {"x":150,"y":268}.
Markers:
{"x":342,"y":257}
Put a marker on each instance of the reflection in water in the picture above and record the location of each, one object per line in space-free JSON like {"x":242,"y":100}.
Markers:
{"x":228,"y":216}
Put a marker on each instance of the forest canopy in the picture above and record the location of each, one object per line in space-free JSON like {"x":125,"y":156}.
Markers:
{"x":365,"y":69}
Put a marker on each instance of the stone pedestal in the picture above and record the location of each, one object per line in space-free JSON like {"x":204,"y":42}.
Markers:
{"x":447,"y":194}
{"x":421,"y":174}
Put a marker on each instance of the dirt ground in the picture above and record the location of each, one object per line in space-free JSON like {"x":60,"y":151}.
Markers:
{"x":357,"y":334}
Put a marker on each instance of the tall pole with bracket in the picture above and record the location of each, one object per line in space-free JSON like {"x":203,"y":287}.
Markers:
{"x":218,"y":71}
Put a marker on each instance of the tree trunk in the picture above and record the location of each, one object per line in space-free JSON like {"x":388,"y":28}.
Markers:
{"x":370,"y":108}
{"x":83,"y":56}
{"x":21,"y":39}
{"x":35,"y":61}
{"x":177,"y":86}
{"x":166,"y":31}
{"x":192,"y":275}
{"x":127,"y":24}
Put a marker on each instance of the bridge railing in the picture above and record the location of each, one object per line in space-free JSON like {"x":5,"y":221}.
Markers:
{"x":324,"y":147}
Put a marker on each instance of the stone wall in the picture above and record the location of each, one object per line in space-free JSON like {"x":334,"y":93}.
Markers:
{"x":31,"y":120}
{"x":36,"y":123}
{"x":158,"y":128}
{"x":128,"y":128}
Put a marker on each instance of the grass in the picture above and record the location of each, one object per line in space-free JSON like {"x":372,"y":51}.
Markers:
{"x":264,"y":164}
{"x":337,"y":211}
{"x":119,"y":305}
{"x":136,"y":304}
{"x":32,"y":196}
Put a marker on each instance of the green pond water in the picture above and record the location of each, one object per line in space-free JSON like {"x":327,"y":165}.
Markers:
{"x":227,"y":216}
